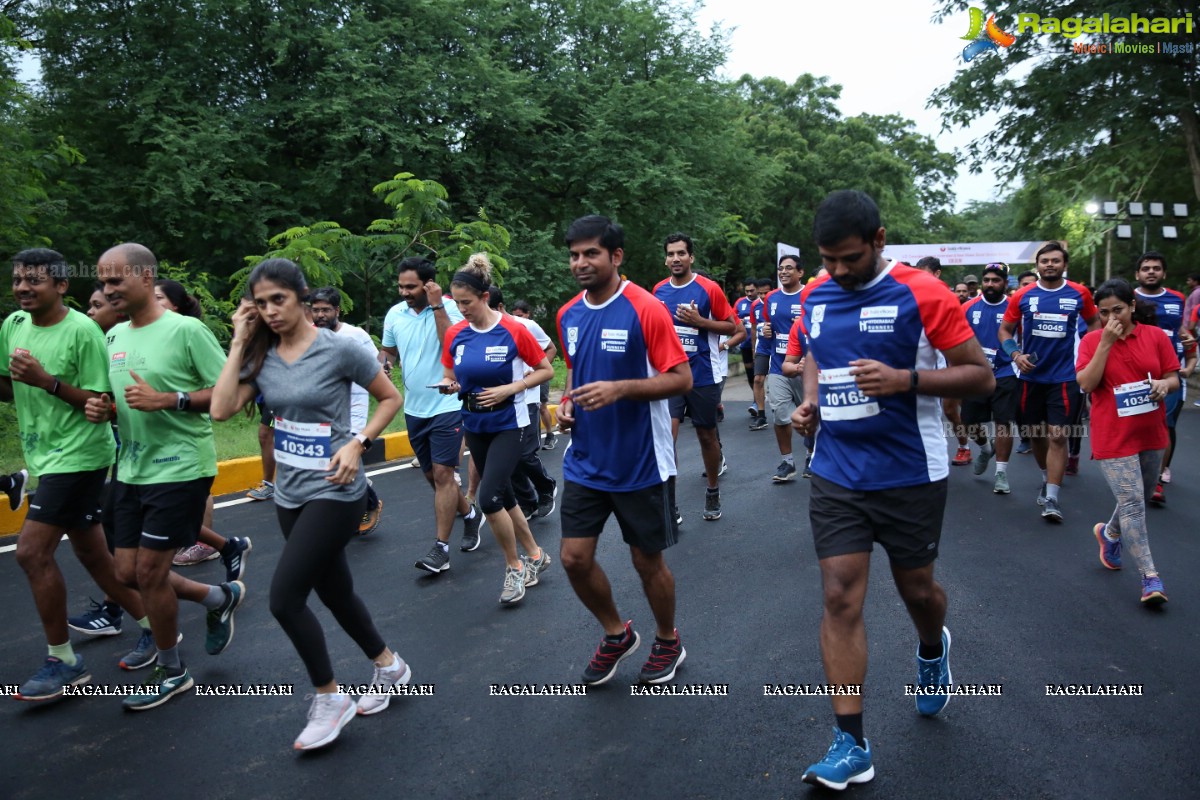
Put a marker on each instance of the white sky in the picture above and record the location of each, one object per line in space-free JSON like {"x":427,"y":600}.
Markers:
{"x":888,"y":58}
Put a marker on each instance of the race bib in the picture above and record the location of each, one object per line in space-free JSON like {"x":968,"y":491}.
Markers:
{"x":1050,"y":326}
{"x":303,"y":445}
{"x":781,"y":347}
{"x":687,"y":338}
{"x":1133,"y":399}
{"x":990,"y":352}
{"x":841,"y":398}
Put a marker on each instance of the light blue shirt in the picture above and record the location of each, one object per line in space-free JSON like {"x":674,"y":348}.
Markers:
{"x":415,"y":338}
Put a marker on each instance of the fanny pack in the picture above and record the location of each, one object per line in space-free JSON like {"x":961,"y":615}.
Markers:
{"x":471,"y":403}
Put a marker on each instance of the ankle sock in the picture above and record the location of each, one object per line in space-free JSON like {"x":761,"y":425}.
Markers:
{"x":853,"y":725}
{"x":64,"y":653}
{"x":929,"y":652}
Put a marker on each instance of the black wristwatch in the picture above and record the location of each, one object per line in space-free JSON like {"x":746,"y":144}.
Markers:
{"x":438,"y":308}
{"x":183,"y":401}
{"x":364,"y":440}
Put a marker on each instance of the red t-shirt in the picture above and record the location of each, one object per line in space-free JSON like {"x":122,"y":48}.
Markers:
{"x":1124,"y":422}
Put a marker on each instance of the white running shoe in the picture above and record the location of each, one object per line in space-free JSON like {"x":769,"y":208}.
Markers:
{"x":382,"y":681}
{"x":327,"y":715}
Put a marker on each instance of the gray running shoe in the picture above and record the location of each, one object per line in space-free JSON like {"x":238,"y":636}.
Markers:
{"x":514,"y":584}
{"x":981,"y":461}
{"x":1051,"y":512}
{"x":785,"y":472}
{"x":220,"y":620}
{"x":145,"y":652}
{"x":52,"y":678}
{"x":712,"y":504}
{"x":436,"y":560}
{"x":264,"y":491}
{"x":534,"y":567}
{"x":1041,"y":498}
{"x":1001,"y":485}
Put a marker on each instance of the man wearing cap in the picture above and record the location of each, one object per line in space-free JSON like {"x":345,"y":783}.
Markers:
{"x":972,"y":283}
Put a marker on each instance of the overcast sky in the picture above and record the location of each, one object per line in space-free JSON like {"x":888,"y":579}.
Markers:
{"x":888,"y":58}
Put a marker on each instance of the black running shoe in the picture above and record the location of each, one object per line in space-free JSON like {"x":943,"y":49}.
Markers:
{"x":665,"y":658}
{"x":608,"y":656}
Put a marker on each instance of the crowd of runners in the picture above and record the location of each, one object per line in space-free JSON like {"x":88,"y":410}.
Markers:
{"x":871,"y":364}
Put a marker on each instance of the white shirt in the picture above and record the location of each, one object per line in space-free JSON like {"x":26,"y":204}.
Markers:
{"x":359,"y":397}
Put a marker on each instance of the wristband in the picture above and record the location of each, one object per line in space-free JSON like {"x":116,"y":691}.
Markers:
{"x":439,"y":307}
{"x":1010,"y":347}
{"x":913,"y":386}
{"x":54,"y":388}
{"x":182,"y":401}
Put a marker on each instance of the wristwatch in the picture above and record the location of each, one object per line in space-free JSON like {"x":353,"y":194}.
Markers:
{"x":364,"y":440}
{"x":182,"y":401}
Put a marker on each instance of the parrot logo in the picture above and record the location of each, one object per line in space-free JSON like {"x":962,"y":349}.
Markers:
{"x":984,"y":37}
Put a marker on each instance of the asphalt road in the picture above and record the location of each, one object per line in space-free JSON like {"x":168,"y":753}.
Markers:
{"x":1030,"y":605}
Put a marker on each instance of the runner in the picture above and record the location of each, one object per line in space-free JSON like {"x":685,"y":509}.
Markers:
{"x":484,"y":362}
{"x":985,"y":314}
{"x":1046,"y":312}
{"x":1129,"y":367}
{"x":880,"y":462}
{"x":52,"y":361}
{"x":951,"y":406}
{"x":1025,"y":445}
{"x":743,"y":310}
{"x":161,"y":369}
{"x":784,"y":393}
{"x":304,"y":374}
{"x":702,"y":315}
{"x":522,"y":310}
{"x":623,"y":359}
{"x":762,"y":353}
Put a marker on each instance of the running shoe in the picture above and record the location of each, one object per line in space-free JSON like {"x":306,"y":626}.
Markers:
{"x":845,"y":763}
{"x":1110,"y":551}
{"x":145,"y":652}
{"x":55,"y":674}
{"x":759,"y":423}
{"x":196,"y":554}
{"x":808,"y":473}
{"x":609,"y":655}
{"x":785,"y":472}
{"x":534,"y":567}
{"x":159,"y":687}
{"x":1153,"y":593}
{"x":962,"y":457}
{"x":471,"y":525}
{"x":102,"y":619}
{"x":712,"y":504}
{"x":1024,"y":447}
{"x":548,"y":441}
{"x":327,"y":715}
{"x":935,"y":672}
{"x":1001,"y":484}
{"x":665,"y":658}
{"x":370,"y":519}
{"x":981,"y":461}
{"x":235,"y":560}
{"x":514,"y":584}
{"x":678,"y":516}
{"x":16,"y":492}
{"x":1051,"y":512}
{"x":264,"y":491}
{"x":436,"y":560}
{"x":546,"y":503}
{"x":724,"y":468}
{"x":220,"y":619}
{"x":752,"y":411}
{"x":1072,"y":465}
{"x":377,"y":697}
{"x":530,"y":511}
{"x":1158,"y":499}
{"x":1165,"y":477}
{"x":1041,"y":498}
{"x":415,"y":463}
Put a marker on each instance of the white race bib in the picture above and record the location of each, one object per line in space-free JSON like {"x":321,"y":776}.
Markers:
{"x":781,"y":347}
{"x":304,"y":445}
{"x":841,"y":398}
{"x":1133,"y":399}
{"x":1050,"y":326}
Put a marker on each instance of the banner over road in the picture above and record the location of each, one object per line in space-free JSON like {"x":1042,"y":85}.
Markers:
{"x":965,"y":254}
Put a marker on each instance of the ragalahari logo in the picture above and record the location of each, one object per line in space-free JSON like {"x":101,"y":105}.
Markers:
{"x":985,"y":37}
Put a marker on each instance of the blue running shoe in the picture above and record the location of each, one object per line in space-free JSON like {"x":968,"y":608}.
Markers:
{"x":102,"y":619}
{"x":934,"y":673}
{"x":220,"y":620}
{"x":1153,"y":593}
{"x":157,"y":689}
{"x":844,"y":764}
{"x":49,"y":681}
{"x":1110,"y":552}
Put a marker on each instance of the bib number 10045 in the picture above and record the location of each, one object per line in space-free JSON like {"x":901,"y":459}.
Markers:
{"x":304,"y":445}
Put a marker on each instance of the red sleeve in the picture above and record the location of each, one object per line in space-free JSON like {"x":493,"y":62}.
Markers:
{"x":566,"y":351}
{"x":1087,"y":309}
{"x":663,"y":348}
{"x":448,"y":339}
{"x":1087,"y":350}
{"x":721,"y":310}
{"x":795,"y":345}
{"x":527,"y":347}
{"x":1013,"y":312}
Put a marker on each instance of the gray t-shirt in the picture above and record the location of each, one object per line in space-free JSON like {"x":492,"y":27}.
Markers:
{"x":311,"y":401}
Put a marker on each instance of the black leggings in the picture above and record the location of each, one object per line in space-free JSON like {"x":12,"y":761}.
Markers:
{"x":496,"y":456}
{"x":314,"y":557}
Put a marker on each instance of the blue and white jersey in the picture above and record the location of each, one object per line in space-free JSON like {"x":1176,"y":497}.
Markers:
{"x":985,"y":320}
{"x":700,"y":345}
{"x":1049,"y":325}
{"x":1168,"y":308}
{"x":625,"y":446}
{"x":743,"y":309}
{"x":902,"y":318}
{"x":782,"y":311}
{"x":482,"y":359}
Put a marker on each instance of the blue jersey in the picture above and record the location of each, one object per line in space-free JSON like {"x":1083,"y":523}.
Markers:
{"x":701,"y":346}
{"x":902,"y":318}
{"x":782,"y":311}
{"x":1168,"y":308}
{"x":482,"y":359}
{"x":743,"y":310}
{"x":625,"y":446}
{"x":758,"y":315}
{"x":1049,"y":320}
{"x":985,"y":319}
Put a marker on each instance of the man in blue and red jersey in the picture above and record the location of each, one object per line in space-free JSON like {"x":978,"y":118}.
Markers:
{"x":623,"y":362}
{"x":985,"y":314}
{"x":880,"y":464}
{"x":742,"y":308}
{"x":1151,"y":274}
{"x":781,"y":310}
{"x":702,"y":316}
{"x":761,"y":355}
{"x":1048,"y":311}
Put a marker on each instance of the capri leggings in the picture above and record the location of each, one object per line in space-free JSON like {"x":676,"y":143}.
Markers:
{"x":314,"y":557}
{"x":1129,"y":478}
{"x":496,"y":456}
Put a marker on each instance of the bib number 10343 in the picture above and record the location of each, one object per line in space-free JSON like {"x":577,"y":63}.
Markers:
{"x":303,"y":445}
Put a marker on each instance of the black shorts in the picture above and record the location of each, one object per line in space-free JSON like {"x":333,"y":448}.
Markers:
{"x":907,"y":521}
{"x":700,"y":404}
{"x":159,"y":516}
{"x":265,"y":416}
{"x":436,"y":440}
{"x":747,"y":359}
{"x":1000,"y":405}
{"x":544,"y":393}
{"x":646,"y":516}
{"x":762,"y":364}
{"x":68,"y":500}
{"x":1047,"y":404}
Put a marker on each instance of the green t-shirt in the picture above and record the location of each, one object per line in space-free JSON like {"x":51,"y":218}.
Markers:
{"x":56,"y":437}
{"x":172,"y":354}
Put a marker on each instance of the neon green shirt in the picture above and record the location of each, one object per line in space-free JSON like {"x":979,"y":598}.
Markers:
{"x":56,"y":437}
{"x":172,"y":354}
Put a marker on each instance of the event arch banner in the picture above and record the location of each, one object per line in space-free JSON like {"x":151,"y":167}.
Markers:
{"x":965,"y":254}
